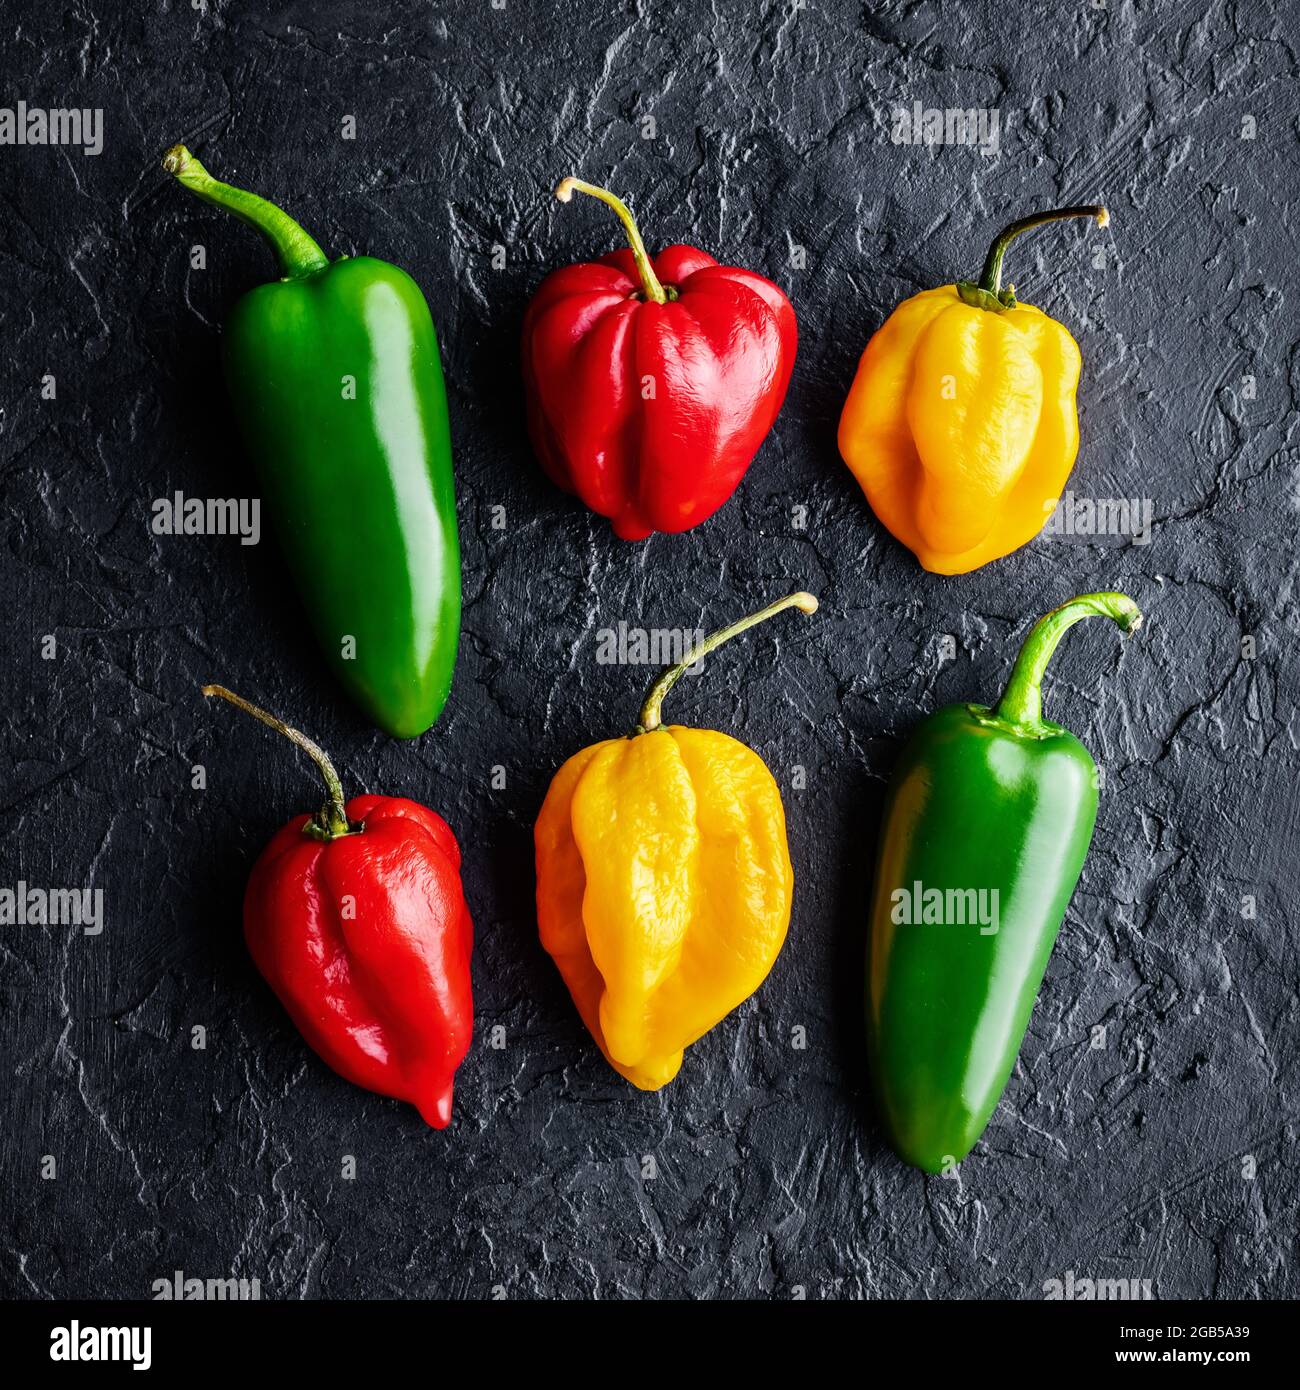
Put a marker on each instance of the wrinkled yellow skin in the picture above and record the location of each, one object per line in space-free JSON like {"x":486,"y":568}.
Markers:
{"x":663,"y":889}
{"x":961,"y":426}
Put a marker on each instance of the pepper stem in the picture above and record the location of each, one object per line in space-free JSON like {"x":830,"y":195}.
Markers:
{"x":649,"y":719}
{"x":1022,"y":701}
{"x":297,"y":253}
{"x":654,"y":290}
{"x":991,"y":276}
{"x":331,"y":821}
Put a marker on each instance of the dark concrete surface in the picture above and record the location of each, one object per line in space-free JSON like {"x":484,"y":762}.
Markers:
{"x":1167,"y":1153}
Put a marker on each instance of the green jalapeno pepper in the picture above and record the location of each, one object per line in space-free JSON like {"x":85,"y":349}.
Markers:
{"x":987,"y":821}
{"x":335,"y":379}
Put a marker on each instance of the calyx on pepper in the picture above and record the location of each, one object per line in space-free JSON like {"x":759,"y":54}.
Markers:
{"x":663,"y":879}
{"x":987,"y":821}
{"x":356,"y":919}
{"x":651,"y":382}
{"x":960,"y":425}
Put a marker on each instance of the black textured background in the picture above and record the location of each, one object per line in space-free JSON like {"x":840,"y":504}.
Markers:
{"x":772,"y":130}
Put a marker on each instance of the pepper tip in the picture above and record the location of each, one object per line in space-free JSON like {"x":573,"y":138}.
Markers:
{"x":434,"y":1106}
{"x":564,"y":189}
{"x":805,"y":603}
{"x":1103,"y":217}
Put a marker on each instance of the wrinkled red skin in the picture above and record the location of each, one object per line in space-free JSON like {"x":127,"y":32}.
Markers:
{"x":720,"y":357}
{"x":383,"y":995}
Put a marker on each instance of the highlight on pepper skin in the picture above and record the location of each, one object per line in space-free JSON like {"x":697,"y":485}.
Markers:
{"x":664,"y":881}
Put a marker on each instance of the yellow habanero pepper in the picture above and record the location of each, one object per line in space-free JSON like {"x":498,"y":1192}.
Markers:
{"x":960,"y":425}
{"x":664,"y":879}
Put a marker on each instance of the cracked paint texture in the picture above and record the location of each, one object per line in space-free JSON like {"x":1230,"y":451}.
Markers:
{"x":762,"y":133}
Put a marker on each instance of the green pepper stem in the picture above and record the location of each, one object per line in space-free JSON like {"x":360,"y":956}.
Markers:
{"x":654,"y":290}
{"x":649,"y":719}
{"x":332,"y":820}
{"x":1022,"y":701}
{"x":297,"y":253}
{"x":991,"y":276}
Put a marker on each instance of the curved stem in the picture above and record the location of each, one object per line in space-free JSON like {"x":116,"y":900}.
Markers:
{"x":332,"y":819}
{"x":649,"y":719}
{"x":297,"y":253}
{"x":1022,"y":701}
{"x":991,"y":276}
{"x":654,"y":291}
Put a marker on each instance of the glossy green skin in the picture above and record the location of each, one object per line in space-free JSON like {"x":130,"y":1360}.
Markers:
{"x":974,"y":803}
{"x":361,"y":489}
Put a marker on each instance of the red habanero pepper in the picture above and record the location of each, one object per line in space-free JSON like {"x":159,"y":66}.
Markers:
{"x":356,"y":919}
{"x":652,"y":383}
